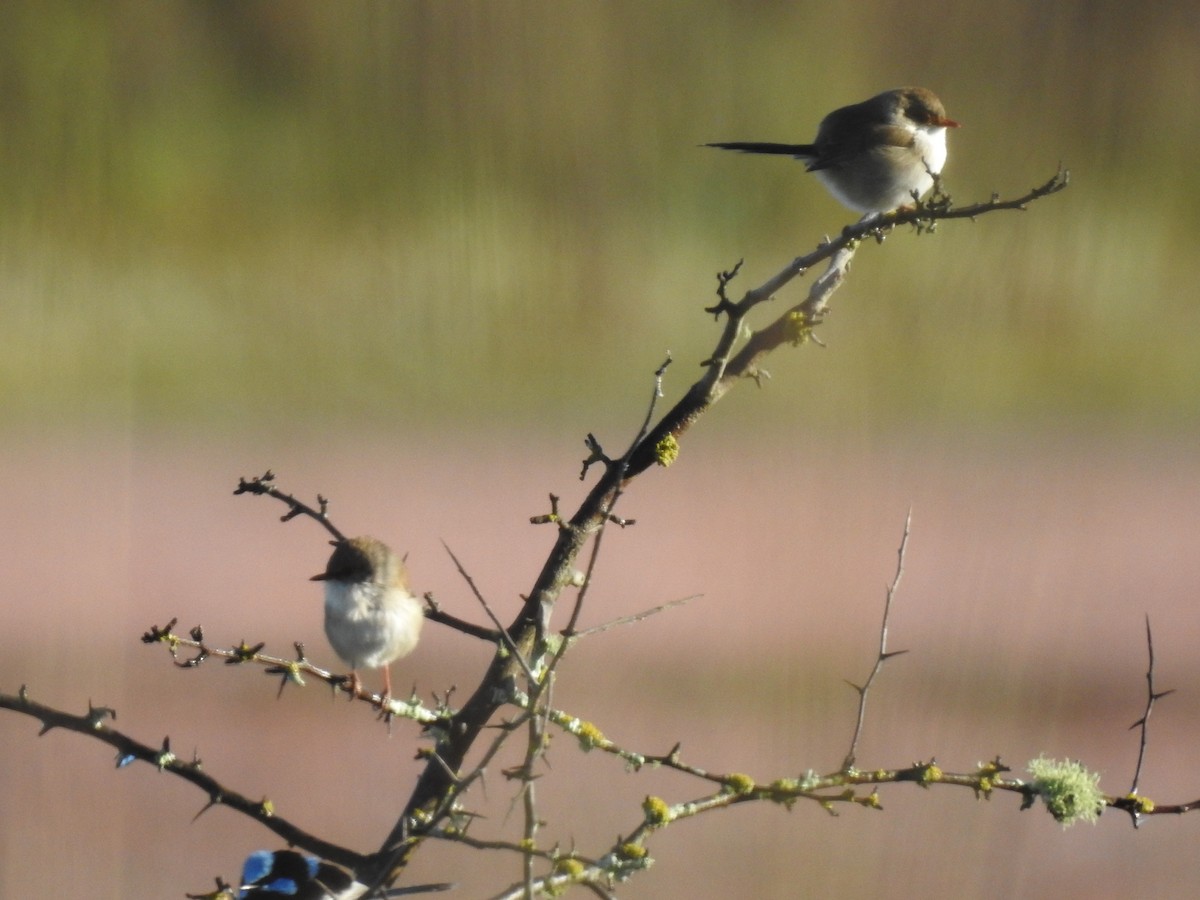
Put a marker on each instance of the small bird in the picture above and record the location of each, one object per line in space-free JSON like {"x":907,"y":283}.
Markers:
{"x":268,"y":874}
{"x":288,"y":875}
{"x":875,"y":155}
{"x":371,"y":616}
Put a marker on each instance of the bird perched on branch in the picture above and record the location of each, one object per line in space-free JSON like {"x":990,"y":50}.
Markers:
{"x":876,"y":155}
{"x":371,"y":616}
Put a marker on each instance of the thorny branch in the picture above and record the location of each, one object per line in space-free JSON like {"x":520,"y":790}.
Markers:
{"x":435,"y":801}
{"x":659,"y":446}
{"x":884,"y":654}
{"x":1152,"y":696}
{"x":289,"y":671}
{"x":264,"y":485}
{"x":94,"y":724}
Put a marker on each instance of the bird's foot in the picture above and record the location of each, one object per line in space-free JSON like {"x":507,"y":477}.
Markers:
{"x":352,"y":684}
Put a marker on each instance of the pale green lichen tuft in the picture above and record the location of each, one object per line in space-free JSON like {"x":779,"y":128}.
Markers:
{"x":1071,"y":793}
{"x":567,"y":865}
{"x":631,"y":851}
{"x":656,"y":810}
{"x":589,"y":736}
{"x":800,"y":328}
{"x":666,"y":451}
{"x":739,"y":784}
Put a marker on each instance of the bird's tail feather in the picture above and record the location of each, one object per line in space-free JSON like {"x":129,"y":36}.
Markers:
{"x":800,"y":151}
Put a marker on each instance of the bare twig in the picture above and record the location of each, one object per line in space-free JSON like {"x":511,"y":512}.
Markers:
{"x":504,"y":638}
{"x":264,"y":485}
{"x":883,"y":655}
{"x":621,"y":465}
{"x":290,"y":671}
{"x":636,"y":617}
{"x":1143,"y":723}
{"x":434,"y":613}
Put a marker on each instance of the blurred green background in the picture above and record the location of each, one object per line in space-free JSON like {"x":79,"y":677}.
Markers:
{"x":408,"y":254}
{"x":270,"y":213}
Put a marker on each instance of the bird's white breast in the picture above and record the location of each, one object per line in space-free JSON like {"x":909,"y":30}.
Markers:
{"x":369,"y":625}
{"x":930,"y":143}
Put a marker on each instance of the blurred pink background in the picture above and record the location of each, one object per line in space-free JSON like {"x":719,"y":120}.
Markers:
{"x":1029,"y":571}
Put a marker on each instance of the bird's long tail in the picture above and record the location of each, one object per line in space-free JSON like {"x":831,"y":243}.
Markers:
{"x":800,"y":151}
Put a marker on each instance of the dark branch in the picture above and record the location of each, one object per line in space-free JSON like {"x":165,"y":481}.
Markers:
{"x":722,"y":372}
{"x":264,"y":485}
{"x":129,"y":750}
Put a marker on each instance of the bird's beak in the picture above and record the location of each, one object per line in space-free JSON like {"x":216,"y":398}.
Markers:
{"x":324,"y":576}
{"x":945,"y":123}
